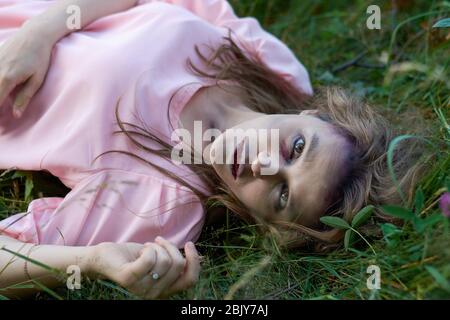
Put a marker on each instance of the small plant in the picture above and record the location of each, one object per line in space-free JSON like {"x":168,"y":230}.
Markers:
{"x":417,"y":217}
{"x":358,"y":220}
{"x":444,"y":23}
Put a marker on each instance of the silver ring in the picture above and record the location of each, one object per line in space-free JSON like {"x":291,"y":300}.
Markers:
{"x":155,"y":275}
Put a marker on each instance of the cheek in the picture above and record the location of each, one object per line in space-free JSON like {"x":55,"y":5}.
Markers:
{"x":217,"y":148}
{"x":252,"y":195}
{"x":217,"y":156}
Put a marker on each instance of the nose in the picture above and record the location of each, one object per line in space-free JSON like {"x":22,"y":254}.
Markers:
{"x":261,"y":161}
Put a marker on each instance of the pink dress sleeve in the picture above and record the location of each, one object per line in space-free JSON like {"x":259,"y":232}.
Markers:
{"x":272,"y":51}
{"x":111,"y":206}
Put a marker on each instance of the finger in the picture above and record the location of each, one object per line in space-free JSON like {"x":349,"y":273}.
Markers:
{"x":176,"y":268}
{"x":143,"y":264}
{"x":145,"y":245}
{"x":6,"y":86}
{"x":24,"y":96}
{"x":192,"y":270}
{"x":163,"y":262}
{"x":154,"y":286}
{"x":178,"y":261}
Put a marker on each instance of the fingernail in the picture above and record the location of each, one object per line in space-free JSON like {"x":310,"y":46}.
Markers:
{"x":20,"y":99}
{"x":158,"y":238}
{"x":191,"y":245}
{"x":17,"y":113}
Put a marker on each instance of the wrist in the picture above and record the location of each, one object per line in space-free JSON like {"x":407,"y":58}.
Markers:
{"x":44,"y":30}
{"x":89,"y":262}
{"x":93,"y":265}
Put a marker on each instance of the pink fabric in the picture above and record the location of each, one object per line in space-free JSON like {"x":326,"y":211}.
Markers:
{"x":140,"y":57}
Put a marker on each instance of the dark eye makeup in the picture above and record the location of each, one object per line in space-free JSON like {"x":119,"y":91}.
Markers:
{"x":283,"y":197}
{"x":298,"y":146}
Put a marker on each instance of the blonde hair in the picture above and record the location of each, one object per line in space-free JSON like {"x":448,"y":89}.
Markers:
{"x":368,"y":182}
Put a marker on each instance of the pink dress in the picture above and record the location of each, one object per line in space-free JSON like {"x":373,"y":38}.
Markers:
{"x":139,"y":56}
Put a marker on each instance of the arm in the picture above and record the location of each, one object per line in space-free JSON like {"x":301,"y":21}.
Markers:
{"x":25,"y":57}
{"x":128,"y":264}
{"x":12,"y":268}
{"x":53,"y":22}
{"x":112,"y":215}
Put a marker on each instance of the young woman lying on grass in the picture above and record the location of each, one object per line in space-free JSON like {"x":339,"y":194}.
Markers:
{"x":97,"y":108}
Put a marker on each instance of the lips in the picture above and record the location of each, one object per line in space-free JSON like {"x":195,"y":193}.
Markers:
{"x":235,"y":165}
{"x":236,"y":168}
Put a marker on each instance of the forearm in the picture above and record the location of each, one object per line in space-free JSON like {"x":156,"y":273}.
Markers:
{"x":15,"y":269}
{"x":53,"y":22}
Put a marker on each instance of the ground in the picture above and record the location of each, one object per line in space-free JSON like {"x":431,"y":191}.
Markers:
{"x":401,"y":67}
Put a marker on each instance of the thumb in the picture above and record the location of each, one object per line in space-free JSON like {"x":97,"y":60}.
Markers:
{"x":24,"y":96}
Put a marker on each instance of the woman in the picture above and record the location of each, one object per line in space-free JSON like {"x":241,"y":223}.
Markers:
{"x":101,"y":109}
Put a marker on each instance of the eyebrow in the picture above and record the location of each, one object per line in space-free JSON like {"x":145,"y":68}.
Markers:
{"x":309,"y":156}
{"x":312,"y":149}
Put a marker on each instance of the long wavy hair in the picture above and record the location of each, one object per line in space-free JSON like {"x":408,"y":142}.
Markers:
{"x":368,"y":182}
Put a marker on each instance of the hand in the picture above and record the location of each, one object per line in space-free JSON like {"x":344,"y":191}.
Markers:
{"x":131,"y":265}
{"x":24,"y":62}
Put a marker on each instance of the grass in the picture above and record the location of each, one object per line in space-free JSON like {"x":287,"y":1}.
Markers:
{"x":402,"y":67}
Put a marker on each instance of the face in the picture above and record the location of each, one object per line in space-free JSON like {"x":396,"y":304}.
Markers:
{"x":309,"y":160}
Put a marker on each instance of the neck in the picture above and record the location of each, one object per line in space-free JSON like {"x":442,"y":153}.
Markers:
{"x":217,"y":108}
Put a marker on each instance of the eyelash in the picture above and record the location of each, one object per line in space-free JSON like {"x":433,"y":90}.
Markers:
{"x":284,"y":186}
{"x":291,"y":155}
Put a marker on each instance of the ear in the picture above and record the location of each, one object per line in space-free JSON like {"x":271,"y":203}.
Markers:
{"x":309,"y":112}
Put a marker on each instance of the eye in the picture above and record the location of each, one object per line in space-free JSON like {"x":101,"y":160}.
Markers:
{"x":283,"y":198}
{"x":299,"y":145}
